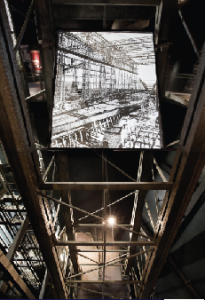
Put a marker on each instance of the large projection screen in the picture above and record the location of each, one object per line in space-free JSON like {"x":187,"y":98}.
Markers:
{"x":105,"y":91}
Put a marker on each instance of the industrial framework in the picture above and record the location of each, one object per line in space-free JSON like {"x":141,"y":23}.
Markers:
{"x":59,"y":250}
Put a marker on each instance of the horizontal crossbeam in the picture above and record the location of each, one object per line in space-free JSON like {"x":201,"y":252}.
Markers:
{"x":109,"y":2}
{"x":107,"y":281}
{"x":109,"y":243}
{"x":114,"y":186}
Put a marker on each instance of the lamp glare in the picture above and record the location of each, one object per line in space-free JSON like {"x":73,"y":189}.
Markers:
{"x":111,"y":221}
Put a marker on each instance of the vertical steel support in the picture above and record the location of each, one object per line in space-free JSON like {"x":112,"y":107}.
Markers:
{"x":46,"y":38}
{"x":144,"y":172}
{"x":44,"y":285}
{"x":187,"y":167}
{"x":63,"y":175}
{"x":17,"y":139}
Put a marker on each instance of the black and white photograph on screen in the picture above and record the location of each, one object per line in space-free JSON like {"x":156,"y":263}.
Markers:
{"x":105,"y":91}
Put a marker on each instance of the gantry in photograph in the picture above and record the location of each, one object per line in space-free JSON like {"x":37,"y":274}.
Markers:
{"x":105,"y":91}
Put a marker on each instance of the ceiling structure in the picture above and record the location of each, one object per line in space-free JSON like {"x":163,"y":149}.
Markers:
{"x":55,"y":205}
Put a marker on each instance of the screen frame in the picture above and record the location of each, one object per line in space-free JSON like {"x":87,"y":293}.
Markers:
{"x":157,"y":98}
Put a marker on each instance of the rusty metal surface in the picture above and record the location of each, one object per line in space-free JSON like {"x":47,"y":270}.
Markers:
{"x":188,"y":164}
{"x":63,"y":174}
{"x":46,"y":38}
{"x":15,"y":277}
{"x":18,"y":143}
{"x":114,"y":186}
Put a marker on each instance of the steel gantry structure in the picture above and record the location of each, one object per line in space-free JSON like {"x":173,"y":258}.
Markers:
{"x":31,"y":199}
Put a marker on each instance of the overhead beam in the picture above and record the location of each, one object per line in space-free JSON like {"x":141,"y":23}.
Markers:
{"x":101,"y":243}
{"x":66,"y":13}
{"x":46,"y":39}
{"x":109,"y":2}
{"x":106,"y":281}
{"x":18,"y":142}
{"x":100,"y":250}
{"x":172,"y":98}
{"x":44,"y":285}
{"x":9,"y":269}
{"x":188,"y":164}
{"x":96,"y":60}
{"x":113,"y":186}
{"x":101,"y":225}
{"x":63,"y":174}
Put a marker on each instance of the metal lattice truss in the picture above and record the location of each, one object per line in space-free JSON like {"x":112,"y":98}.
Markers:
{"x":60,"y":250}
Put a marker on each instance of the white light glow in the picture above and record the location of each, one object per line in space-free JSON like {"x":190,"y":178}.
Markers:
{"x":111,"y":221}
{"x":61,"y":256}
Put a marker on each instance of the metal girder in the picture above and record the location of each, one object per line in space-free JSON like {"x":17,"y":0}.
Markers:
{"x":172,"y":98}
{"x":100,"y":250}
{"x":109,"y":2}
{"x":101,"y":225}
{"x":12,"y":208}
{"x":96,"y":60}
{"x":44,"y":285}
{"x":8,"y":268}
{"x":63,"y":174}
{"x":145,"y":168}
{"x":106,"y":281}
{"x":16,"y":242}
{"x":16,"y":136}
{"x":84,"y":12}
{"x":112,"y":186}
{"x":23,"y":29}
{"x":35,"y":96}
{"x":101,"y":243}
{"x":187,"y":167}
{"x":186,"y":282}
{"x":165,"y":37}
{"x":46,"y":38}
{"x":13,"y":222}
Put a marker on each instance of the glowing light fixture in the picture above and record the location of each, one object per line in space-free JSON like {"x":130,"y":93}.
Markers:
{"x":111,"y":221}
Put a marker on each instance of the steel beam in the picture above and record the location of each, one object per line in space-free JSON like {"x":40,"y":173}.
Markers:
{"x":14,"y":276}
{"x":112,"y":186}
{"x":185,"y":281}
{"x":23,"y":29}
{"x":186,"y":170}
{"x":63,"y":174}
{"x":16,"y":242}
{"x":101,"y":243}
{"x":145,"y":170}
{"x":101,"y":225}
{"x":100,"y":250}
{"x":96,"y":60}
{"x":44,"y":285}
{"x":65,"y":13}
{"x":46,"y":38}
{"x":172,"y":98}
{"x":35,"y":96}
{"x":16,"y":136}
{"x":109,"y":2}
{"x":106,"y":281}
